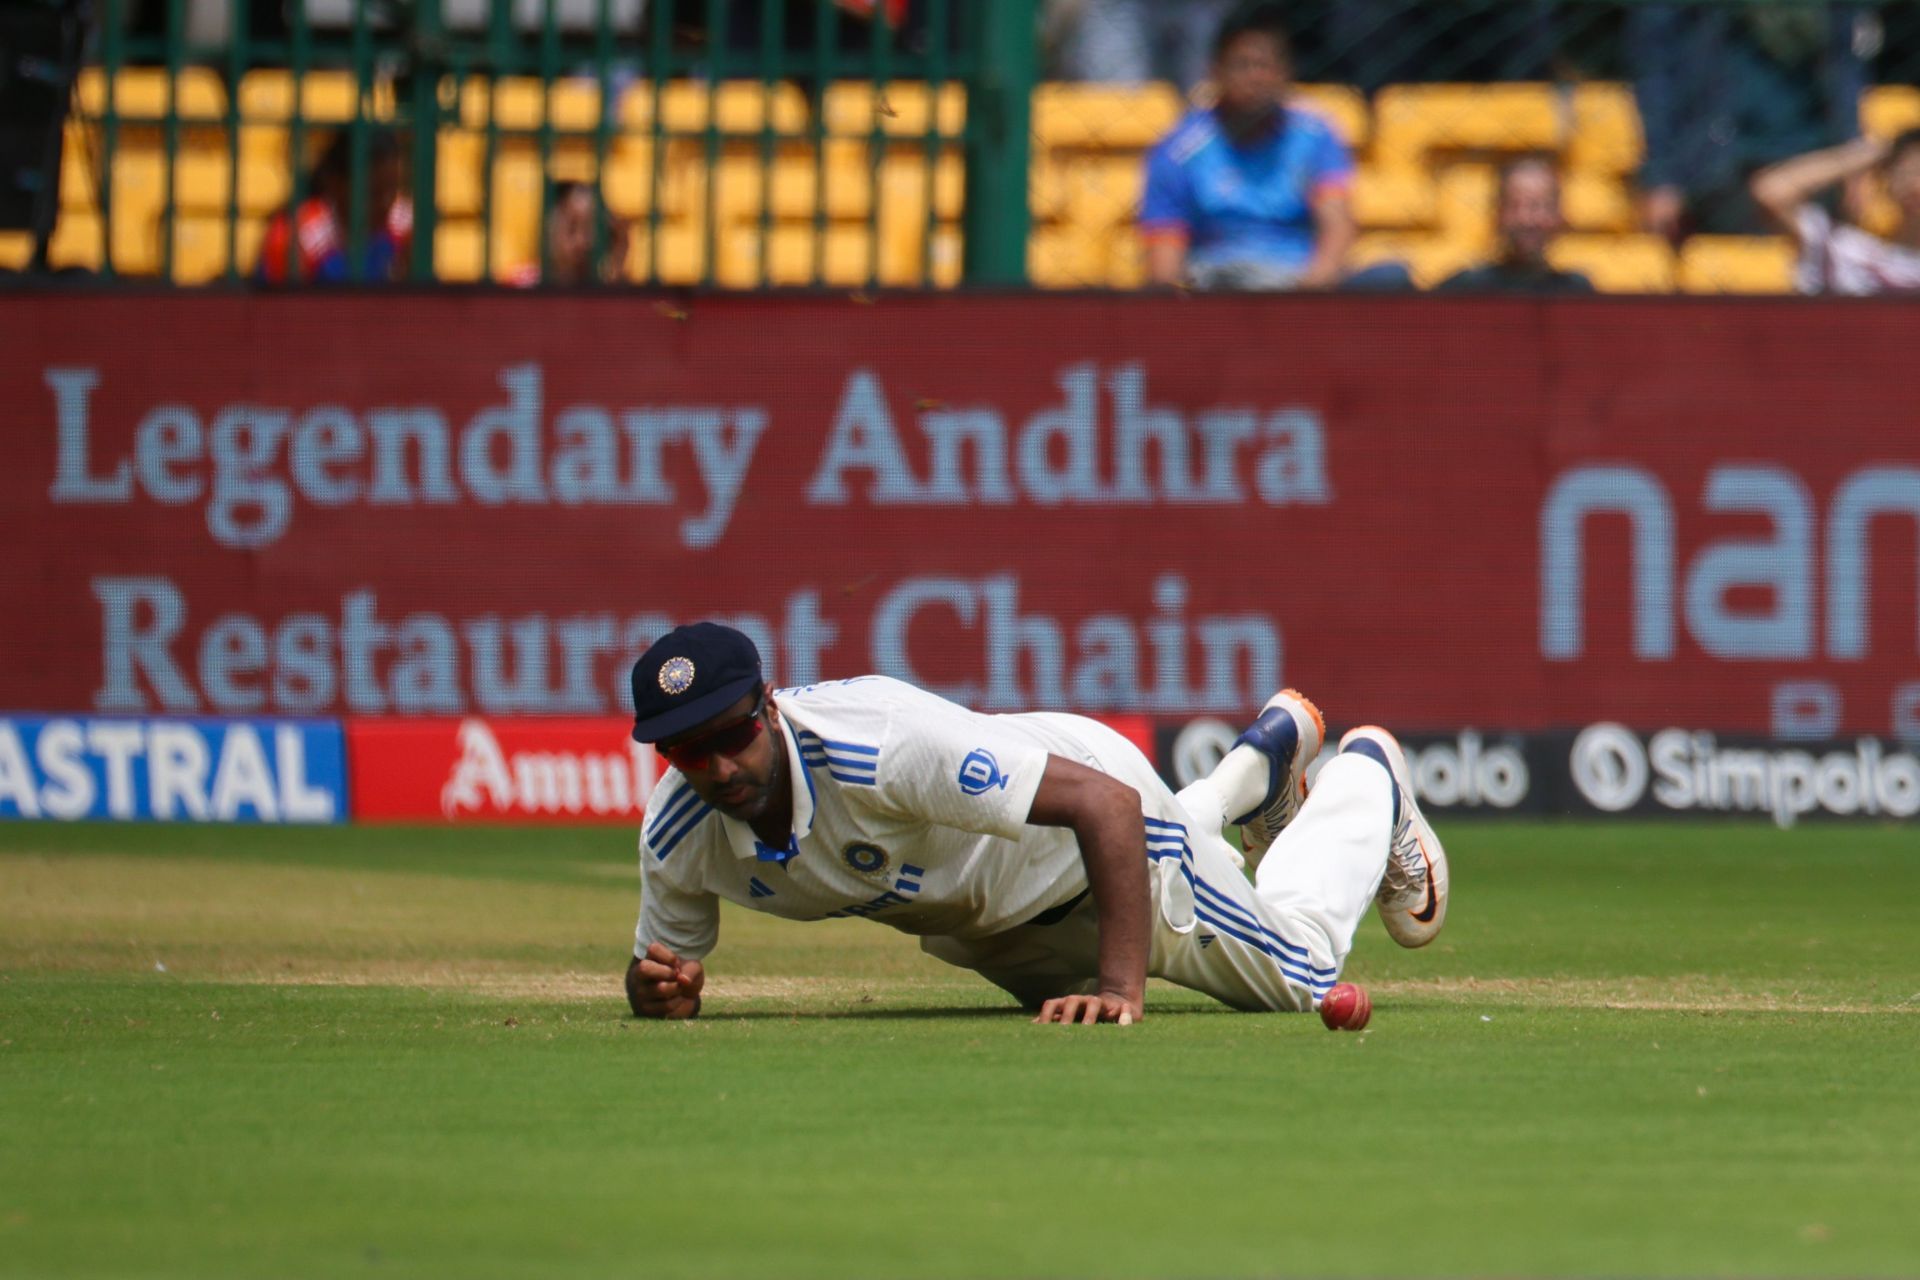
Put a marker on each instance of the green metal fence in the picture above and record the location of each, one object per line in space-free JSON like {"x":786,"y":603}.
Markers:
{"x":903,"y":143}
{"x":731,"y":144}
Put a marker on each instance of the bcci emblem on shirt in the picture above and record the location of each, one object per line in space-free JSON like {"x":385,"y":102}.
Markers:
{"x":867,"y":859}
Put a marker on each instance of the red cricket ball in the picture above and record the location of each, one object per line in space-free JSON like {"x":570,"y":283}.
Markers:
{"x":1346,"y":1008}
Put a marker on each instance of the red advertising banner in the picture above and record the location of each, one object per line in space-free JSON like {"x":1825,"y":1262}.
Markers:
{"x":1434,"y":513}
{"x":532,"y":769}
{"x":474,"y":770}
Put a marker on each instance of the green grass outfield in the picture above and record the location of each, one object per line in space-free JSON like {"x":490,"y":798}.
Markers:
{"x":1637,"y":1050}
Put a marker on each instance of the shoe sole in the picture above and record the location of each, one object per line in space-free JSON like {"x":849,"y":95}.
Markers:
{"x":1419,"y":927}
{"x":1257,"y":841}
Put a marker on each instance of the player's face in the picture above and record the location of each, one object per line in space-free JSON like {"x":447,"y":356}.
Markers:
{"x":1252,"y":75}
{"x":736,"y":761}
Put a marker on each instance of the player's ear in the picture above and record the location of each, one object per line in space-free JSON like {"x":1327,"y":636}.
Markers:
{"x":773,"y":710}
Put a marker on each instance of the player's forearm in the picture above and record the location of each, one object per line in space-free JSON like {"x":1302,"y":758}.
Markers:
{"x":1113,"y":846}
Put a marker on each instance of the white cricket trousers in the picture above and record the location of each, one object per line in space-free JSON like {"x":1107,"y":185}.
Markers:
{"x":1277,"y":941}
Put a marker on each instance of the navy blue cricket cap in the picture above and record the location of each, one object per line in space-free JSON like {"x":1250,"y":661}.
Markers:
{"x":690,"y":675}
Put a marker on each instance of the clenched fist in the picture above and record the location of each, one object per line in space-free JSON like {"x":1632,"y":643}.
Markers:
{"x":662,"y":985}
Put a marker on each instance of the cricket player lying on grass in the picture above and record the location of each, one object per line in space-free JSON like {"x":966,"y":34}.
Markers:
{"x":1041,"y":851}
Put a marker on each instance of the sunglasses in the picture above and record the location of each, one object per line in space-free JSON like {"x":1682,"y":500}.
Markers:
{"x":728,"y":740}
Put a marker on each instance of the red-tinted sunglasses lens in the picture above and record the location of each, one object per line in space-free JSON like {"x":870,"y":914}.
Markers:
{"x":699,"y":753}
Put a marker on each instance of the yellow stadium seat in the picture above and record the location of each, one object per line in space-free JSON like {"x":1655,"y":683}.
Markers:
{"x":138,"y":193}
{"x":266,"y":168}
{"x":911,"y":254}
{"x":457,"y":177}
{"x":1066,"y":257}
{"x":200,"y":179}
{"x":1342,"y":105}
{"x":325,"y":97}
{"x":1394,"y":198}
{"x":842,"y":256}
{"x":140,"y":94}
{"x":898,"y":108}
{"x":80,"y":167}
{"x":1104,"y":117}
{"x":1617,"y":264}
{"x":77,"y":241}
{"x":514,"y":211}
{"x":1428,"y":258}
{"x":524,"y":103}
{"x":1595,"y":201}
{"x":680,"y":259}
{"x":200,"y":249}
{"x":845,"y":169}
{"x":628,"y":183}
{"x":1464,"y":198}
{"x":1605,"y":137}
{"x":16,"y":249}
{"x":1411,"y":121}
{"x":1102,"y":192}
{"x":1890,"y":109}
{"x":740,"y":108}
{"x":907,"y":182}
{"x":1737,"y":264}
{"x":1047,"y":180}
{"x":459,"y":251}
{"x":1126,"y":261}
{"x":906,"y":256}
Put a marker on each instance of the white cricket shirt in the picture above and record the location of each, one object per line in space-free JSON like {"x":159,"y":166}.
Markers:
{"x":908,"y":809}
{"x":1837,"y":258}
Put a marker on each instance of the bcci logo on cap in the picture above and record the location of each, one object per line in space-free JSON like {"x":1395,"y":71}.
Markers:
{"x":980,"y":773}
{"x":676,"y":675}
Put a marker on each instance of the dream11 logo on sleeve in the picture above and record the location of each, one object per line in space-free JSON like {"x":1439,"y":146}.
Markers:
{"x":980,"y":773}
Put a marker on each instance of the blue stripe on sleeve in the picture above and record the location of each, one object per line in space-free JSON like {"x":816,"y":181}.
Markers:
{"x":672,"y":840}
{"x":671,"y":813}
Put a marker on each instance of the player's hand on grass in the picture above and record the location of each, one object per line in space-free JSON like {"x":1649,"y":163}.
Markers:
{"x":1087,"y":1010}
{"x":662,"y":985}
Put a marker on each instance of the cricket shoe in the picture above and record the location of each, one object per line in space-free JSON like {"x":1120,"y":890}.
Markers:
{"x":1288,"y":733}
{"x":1413,"y":894}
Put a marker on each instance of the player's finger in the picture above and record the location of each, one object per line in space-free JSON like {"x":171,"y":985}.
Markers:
{"x":1046,"y":1011}
{"x":667,"y":990}
{"x":654,"y":971}
{"x":684,"y":981}
{"x":661,"y":952}
{"x":1090,"y":1013}
{"x":1126,"y":1016}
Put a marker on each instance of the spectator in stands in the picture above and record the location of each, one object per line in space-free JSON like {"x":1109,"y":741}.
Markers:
{"x":1727,"y":89}
{"x":1135,"y":41}
{"x":313,"y":243}
{"x":1528,"y":218}
{"x":1836,"y":257}
{"x":1250,"y":193}
{"x":574,"y":217}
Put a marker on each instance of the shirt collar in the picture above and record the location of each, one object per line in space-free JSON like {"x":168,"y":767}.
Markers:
{"x":740,"y":836}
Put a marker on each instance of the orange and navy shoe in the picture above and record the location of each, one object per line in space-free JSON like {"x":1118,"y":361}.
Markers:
{"x":1288,"y":733}
{"x":1412,"y":898}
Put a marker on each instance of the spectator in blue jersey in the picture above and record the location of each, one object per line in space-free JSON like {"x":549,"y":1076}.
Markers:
{"x":1251,"y":193}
